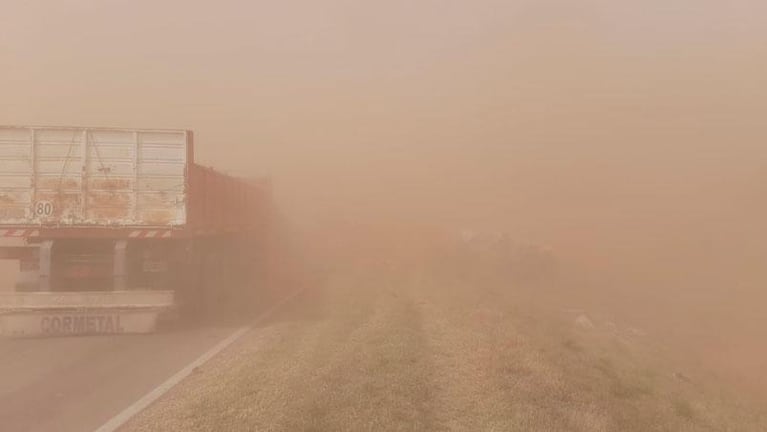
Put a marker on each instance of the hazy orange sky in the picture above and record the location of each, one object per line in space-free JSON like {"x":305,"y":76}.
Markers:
{"x":603,"y":128}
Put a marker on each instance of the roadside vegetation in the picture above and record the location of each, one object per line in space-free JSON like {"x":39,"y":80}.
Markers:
{"x":423,"y":348}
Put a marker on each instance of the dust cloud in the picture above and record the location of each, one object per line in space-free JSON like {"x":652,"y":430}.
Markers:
{"x":626,"y":137}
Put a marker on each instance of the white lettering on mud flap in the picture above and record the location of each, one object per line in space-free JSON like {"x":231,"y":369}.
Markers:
{"x":63,"y":324}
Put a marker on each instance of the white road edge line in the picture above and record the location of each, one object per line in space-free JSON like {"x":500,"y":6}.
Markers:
{"x":120,"y":419}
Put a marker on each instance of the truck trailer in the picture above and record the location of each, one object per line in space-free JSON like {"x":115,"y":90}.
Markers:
{"x":116,"y":229}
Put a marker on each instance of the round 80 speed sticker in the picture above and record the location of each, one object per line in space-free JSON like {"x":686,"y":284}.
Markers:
{"x":43,"y":208}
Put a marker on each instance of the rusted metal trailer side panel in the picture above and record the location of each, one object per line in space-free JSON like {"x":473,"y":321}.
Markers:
{"x":72,"y":177}
{"x":221,"y":203}
{"x":72,"y":182}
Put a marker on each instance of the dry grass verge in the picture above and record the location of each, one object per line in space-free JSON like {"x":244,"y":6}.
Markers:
{"x":393,"y":353}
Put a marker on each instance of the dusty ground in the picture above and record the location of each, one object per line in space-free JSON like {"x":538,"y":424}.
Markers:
{"x":407,"y":351}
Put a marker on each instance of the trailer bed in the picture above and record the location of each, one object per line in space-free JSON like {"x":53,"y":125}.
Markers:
{"x":68,"y":176}
{"x":140,"y":183}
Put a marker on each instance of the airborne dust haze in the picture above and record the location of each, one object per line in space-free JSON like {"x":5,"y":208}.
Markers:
{"x":628,"y":137}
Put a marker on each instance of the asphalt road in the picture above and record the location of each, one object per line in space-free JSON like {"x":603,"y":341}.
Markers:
{"x":78,"y":383}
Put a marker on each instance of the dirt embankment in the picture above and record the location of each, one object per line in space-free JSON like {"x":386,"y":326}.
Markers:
{"x":410,"y":351}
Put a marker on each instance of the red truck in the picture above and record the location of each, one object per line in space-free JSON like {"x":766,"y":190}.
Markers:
{"x":115,"y":228}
